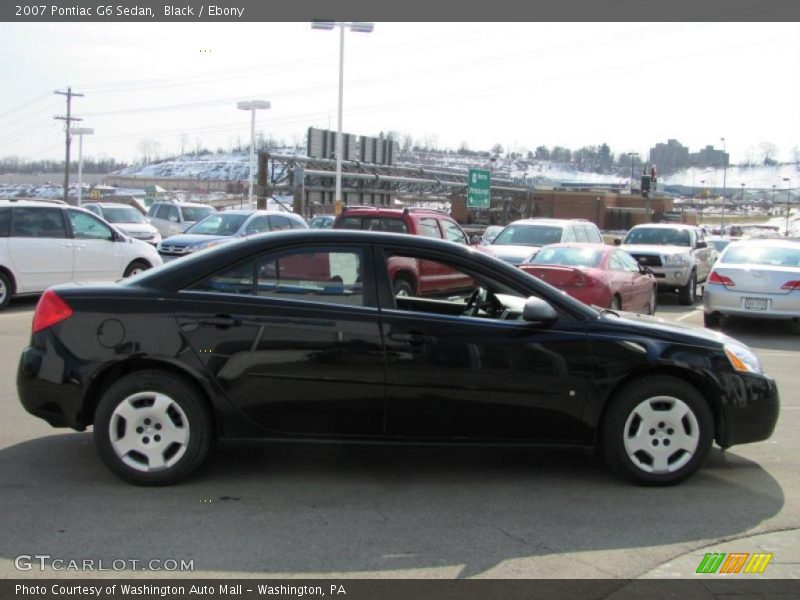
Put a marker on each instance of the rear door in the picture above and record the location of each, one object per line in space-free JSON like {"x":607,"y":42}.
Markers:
{"x":40,"y":248}
{"x":293,"y":339}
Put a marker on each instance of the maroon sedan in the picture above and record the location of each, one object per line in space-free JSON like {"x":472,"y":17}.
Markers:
{"x":596,"y":274}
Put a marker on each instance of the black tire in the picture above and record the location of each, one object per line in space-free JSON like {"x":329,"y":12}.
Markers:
{"x":712,"y":320}
{"x":687,"y":295}
{"x":6,"y":290}
{"x":653,"y":304}
{"x":402,"y":287}
{"x":135,"y":267}
{"x":191,"y":418}
{"x":617,"y":431}
{"x":616,"y":303}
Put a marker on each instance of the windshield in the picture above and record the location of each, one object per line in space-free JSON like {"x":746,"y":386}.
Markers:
{"x":195,"y":213}
{"x":761,"y":255}
{"x":659,"y":236}
{"x":569,"y":257}
{"x":528,"y":235}
{"x":123,"y":214}
{"x":218,"y":224}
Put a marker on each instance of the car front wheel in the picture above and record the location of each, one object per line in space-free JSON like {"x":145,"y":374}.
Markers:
{"x":688,"y":293}
{"x":657,"y":431}
{"x":152,"y":428}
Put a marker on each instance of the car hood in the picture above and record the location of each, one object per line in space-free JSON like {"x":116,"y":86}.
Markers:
{"x":672,"y":330}
{"x":655,"y":249}
{"x":512,"y":254}
{"x":191,"y":239}
{"x":135,"y":228}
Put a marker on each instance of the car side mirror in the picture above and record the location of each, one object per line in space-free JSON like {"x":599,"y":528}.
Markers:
{"x":617,"y":242}
{"x":475,"y":240}
{"x":645,"y":270}
{"x":539,"y":312}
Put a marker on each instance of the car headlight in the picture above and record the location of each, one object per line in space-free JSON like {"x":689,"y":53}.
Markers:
{"x":676,"y":260}
{"x":742,"y":359}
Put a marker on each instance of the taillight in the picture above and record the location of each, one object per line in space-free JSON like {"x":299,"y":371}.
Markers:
{"x":580,"y":279}
{"x":715,"y":277}
{"x":791,"y":285}
{"x":50,"y":310}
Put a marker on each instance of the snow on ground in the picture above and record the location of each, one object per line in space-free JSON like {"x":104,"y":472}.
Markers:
{"x":56,"y":191}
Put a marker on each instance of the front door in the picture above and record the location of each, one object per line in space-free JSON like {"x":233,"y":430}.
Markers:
{"x":98,"y":256}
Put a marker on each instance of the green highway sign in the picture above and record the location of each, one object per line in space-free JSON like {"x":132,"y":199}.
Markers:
{"x":478,"y":184}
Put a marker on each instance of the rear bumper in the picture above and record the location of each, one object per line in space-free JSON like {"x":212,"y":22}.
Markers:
{"x":47,"y":391}
{"x":724,"y":301}
{"x":750,"y":411}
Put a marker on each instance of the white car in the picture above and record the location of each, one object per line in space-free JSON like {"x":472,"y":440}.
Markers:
{"x":44,"y":244}
{"x":521,"y":240}
{"x":756,"y":279}
{"x":127,"y":219}
{"x":170,"y":217}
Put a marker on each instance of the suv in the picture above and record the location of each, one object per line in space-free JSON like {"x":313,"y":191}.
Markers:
{"x":678,"y":255}
{"x":521,"y":240}
{"x":412,"y":277}
{"x":44,"y":244}
{"x":127,"y":219}
{"x":171,"y":217}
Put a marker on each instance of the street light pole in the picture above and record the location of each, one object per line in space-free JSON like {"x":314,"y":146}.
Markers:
{"x":80,"y":132}
{"x":788,"y":197}
{"x":252,"y":106}
{"x":724,"y":184}
{"x":358,"y":27}
{"x":632,"y":154}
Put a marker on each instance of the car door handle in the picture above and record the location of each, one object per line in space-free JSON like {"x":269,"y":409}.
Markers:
{"x":221,"y":321}
{"x":415,"y":339}
{"x":66,"y":245}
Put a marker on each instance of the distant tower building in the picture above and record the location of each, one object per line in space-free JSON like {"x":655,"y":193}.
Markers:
{"x":709,"y":157}
{"x":670,"y":157}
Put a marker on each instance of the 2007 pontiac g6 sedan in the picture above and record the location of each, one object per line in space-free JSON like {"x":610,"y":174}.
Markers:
{"x":298,"y":335}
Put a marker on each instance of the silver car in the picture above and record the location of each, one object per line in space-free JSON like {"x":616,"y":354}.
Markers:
{"x":758,"y":278}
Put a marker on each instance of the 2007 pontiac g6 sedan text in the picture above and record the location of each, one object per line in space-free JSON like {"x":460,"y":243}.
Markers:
{"x":298,"y":335}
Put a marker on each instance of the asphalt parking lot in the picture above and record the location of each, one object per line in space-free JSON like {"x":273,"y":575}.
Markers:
{"x":265,"y":510}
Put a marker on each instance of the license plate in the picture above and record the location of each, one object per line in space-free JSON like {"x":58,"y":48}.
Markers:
{"x":756,"y":304}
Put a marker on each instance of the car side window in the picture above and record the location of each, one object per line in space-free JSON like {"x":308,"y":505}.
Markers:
{"x":5,"y":222}
{"x":429,"y":228}
{"x":314,"y":275}
{"x":278,"y":222}
{"x":568,"y":234}
{"x":627,"y":261}
{"x":39,"y":223}
{"x":173,"y":214}
{"x":614,"y":263}
{"x":297,"y":223}
{"x":94,"y":209}
{"x":163,"y":211}
{"x":453,"y":232}
{"x":580,"y":233}
{"x":89,"y":227}
{"x":258,"y":224}
{"x":151,"y":212}
{"x":593,"y":234}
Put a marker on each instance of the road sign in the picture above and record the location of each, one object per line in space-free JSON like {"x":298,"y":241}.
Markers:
{"x":478,"y":186}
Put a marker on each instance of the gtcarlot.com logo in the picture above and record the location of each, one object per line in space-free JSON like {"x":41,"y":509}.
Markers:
{"x":46,"y":562}
{"x":733,"y":563}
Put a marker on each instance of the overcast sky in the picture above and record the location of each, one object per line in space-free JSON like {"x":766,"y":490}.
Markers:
{"x":521,"y":85}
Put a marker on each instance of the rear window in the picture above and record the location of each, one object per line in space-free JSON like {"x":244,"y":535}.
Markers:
{"x":529,"y":235}
{"x":761,"y":255}
{"x":121,"y":214}
{"x":388,"y":224}
{"x":569,"y":257}
{"x":195,"y":213}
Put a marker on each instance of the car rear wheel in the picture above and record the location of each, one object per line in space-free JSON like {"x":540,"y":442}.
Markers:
{"x":151,"y":428}
{"x":135,"y":268}
{"x":5,"y":290}
{"x":657,"y":431}
{"x":688,"y":293}
{"x":616,"y":303}
{"x":402,"y":287}
{"x":652,"y":305}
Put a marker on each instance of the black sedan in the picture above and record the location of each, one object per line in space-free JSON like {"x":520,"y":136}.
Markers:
{"x":298,"y":335}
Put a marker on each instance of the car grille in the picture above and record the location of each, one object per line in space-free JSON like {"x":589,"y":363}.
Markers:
{"x":648,"y":260}
{"x":173,"y":250}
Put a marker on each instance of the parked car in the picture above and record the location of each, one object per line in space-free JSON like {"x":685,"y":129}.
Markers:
{"x":758,"y":278}
{"x":226,"y":344}
{"x":127,"y":219}
{"x":596,"y":274}
{"x":678,"y":255}
{"x":170,"y":217}
{"x":490,"y":233}
{"x":412,"y":277}
{"x":718,"y":242}
{"x":322,"y":221}
{"x":44,"y":244}
{"x":520,"y":241}
{"x":222,"y":227}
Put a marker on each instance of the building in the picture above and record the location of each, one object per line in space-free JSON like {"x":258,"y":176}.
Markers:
{"x":709,"y":157}
{"x":670,"y":157}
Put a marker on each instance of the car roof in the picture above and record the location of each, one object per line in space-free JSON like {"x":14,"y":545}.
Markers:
{"x":14,"y":202}
{"x":768,"y":242}
{"x":588,"y":245}
{"x":665,"y":226}
{"x":547,"y":221}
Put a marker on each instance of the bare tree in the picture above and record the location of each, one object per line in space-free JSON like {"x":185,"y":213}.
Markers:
{"x":148,"y":149}
{"x":184,"y":142}
{"x":768,"y":152}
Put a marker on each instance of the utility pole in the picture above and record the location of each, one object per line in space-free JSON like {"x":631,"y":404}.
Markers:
{"x":68,"y":120}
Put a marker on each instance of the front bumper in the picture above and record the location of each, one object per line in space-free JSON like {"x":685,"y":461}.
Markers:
{"x":749,"y":411}
{"x":672,"y":277}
